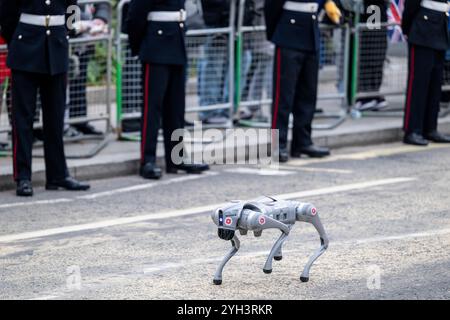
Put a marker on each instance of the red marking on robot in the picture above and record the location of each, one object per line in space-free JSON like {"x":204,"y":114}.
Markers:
{"x":262,"y":220}
{"x":313,"y":211}
{"x":228,"y":221}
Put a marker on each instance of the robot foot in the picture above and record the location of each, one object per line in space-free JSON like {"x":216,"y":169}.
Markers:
{"x":267,"y":271}
{"x":304,"y":279}
{"x":278,"y":258}
{"x":217,"y":282}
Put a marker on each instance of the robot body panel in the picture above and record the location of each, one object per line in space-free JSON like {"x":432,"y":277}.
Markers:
{"x":262,"y":214}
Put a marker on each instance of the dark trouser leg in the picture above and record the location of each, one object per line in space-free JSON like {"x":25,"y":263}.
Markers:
{"x":305,"y":101}
{"x":53,"y":98}
{"x":24,"y":95}
{"x":419,"y":76}
{"x":174,"y":110}
{"x":286,"y":71}
{"x":434,"y":93}
{"x":445,"y":95}
{"x":155,"y":82}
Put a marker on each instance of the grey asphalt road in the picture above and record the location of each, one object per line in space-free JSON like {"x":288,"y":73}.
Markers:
{"x":386,"y":210}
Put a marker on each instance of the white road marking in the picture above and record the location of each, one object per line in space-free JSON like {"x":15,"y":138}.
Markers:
{"x":369,"y":154}
{"x":44,"y":298}
{"x":190,"y":211}
{"x":145,"y":186}
{"x":311,"y":169}
{"x":32,"y":203}
{"x":423,"y":234}
{"x":343,"y":188}
{"x":110,"y":192}
{"x":430,"y":233}
{"x":260,"y":171}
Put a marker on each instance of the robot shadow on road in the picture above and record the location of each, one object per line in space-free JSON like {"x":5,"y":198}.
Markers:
{"x":261,"y":214}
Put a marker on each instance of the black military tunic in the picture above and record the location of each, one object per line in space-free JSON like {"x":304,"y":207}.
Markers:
{"x":38,"y":58}
{"x":160,"y":46}
{"x":297,"y":39}
{"x":428,"y":39}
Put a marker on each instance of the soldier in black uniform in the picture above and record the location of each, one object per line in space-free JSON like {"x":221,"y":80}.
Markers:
{"x":157,"y":34}
{"x":293,"y":27}
{"x":425,"y":23}
{"x":36,"y":33}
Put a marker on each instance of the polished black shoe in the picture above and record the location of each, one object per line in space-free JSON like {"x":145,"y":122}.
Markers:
{"x":150,"y":171}
{"x":283,"y":156}
{"x":69,"y":184}
{"x":437,"y":137}
{"x":415,"y":139}
{"x":311,"y":151}
{"x":194,"y":168}
{"x":24,"y":188}
{"x":88,"y":129}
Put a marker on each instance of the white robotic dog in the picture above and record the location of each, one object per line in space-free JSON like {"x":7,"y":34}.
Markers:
{"x":261,"y":214}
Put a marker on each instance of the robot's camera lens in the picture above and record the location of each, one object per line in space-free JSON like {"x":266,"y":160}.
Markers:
{"x":225,"y":234}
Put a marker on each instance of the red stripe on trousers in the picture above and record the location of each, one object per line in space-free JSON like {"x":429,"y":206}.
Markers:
{"x":277,"y":93}
{"x":14,"y":132}
{"x":144,"y":129}
{"x":410,"y":87}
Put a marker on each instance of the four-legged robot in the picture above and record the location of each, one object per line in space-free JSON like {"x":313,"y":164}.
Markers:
{"x":261,"y":214}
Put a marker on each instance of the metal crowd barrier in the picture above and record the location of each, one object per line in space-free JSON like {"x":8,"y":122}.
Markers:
{"x":88,"y":87}
{"x":254,"y":72}
{"x":210,"y":85}
{"x":380,"y":66}
{"x":374,"y":51}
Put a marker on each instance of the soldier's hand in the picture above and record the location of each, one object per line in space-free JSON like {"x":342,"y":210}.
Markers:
{"x":333,"y":11}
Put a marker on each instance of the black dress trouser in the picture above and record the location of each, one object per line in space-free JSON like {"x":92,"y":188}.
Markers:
{"x":426,"y":67}
{"x":295,"y":90}
{"x":164,"y":104}
{"x":52,"y":89}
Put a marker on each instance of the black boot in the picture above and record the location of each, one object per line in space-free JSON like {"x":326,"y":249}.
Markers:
{"x":24,"y":188}
{"x":438,"y":137}
{"x":194,"y":168}
{"x":69,"y":184}
{"x":283,"y":155}
{"x":415,"y":139}
{"x":150,"y":171}
{"x":88,"y":129}
{"x":311,"y":151}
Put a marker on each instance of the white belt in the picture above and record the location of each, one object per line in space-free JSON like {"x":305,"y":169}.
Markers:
{"x":310,"y":7}
{"x":436,"y":6}
{"x":43,"y":21}
{"x":167,"y":16}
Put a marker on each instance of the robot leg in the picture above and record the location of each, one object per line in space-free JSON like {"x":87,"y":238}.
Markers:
{"x":236,"y":245}
{"x":279,"y":254}
{"x":315,"y":221}
{"x":275,"y":249}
